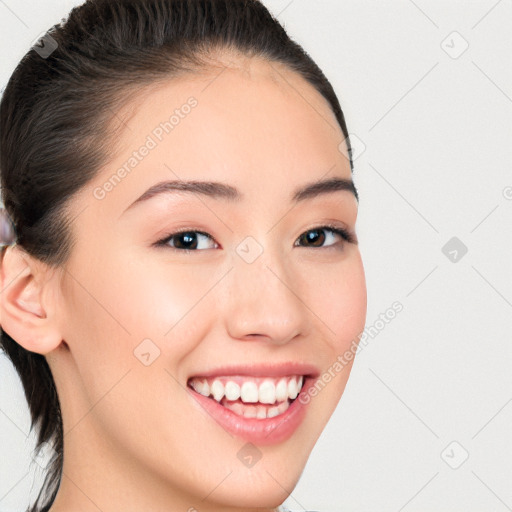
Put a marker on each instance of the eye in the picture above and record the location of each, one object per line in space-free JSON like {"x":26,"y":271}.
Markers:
{"x":193,"y":240}
{"x":188,"y":240}
{"x":317,"y":238}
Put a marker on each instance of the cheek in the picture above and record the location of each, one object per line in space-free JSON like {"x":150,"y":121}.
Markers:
{"x":152,"y":300}
{"x":339,"y":300}
{"x":340,"y":304}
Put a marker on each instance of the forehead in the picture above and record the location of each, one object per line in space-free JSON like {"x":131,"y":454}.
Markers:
{"x":252,"y":123}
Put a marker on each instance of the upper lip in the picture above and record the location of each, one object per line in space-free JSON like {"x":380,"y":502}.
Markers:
{"x":262,"y":370}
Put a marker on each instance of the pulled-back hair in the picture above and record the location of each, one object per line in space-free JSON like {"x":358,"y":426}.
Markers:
{"x":55,"y":118}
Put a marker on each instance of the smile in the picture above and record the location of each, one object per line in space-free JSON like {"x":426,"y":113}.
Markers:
{"x":251,"y":397}
{"x":259,"y":403}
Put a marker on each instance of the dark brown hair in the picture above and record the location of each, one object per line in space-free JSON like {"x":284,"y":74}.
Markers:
{"x":55,"y":115}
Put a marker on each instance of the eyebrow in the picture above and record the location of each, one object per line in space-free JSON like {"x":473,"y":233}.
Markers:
{"x":219,"y":190}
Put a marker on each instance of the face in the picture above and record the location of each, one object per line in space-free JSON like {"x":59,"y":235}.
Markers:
{"x":243,"y":291}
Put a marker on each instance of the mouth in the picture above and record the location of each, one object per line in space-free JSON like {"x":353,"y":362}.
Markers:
{"x":259,"y":404}
{"x":251,"y":397}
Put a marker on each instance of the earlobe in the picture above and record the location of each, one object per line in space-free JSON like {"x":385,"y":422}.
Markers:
{"x":22,"y":313}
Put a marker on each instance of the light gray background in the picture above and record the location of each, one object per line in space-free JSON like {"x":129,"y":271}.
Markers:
{"x":434,"y":132}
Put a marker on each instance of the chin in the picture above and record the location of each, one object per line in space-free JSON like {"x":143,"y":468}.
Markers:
{"x":258,"y":490}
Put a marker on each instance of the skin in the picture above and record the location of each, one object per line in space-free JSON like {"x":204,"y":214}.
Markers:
{"x":134,"y":438}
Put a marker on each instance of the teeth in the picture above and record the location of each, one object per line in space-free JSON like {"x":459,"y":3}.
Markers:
{"x":281,"y":390}
{"x":232,"y":390}
{"x":201,"y":386}
{"x":250,"y":412}
{"x":237,"y":408}
{"x":249,"y":392}
{"x":267,"y":392}
{"x":217,"y":390}
{"x":262,"y":413}
{"x":257,"y":411}
{"x":272,"y":412}
{"x":292,"y":388}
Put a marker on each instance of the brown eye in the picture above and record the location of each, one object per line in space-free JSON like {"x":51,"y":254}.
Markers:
{"x":317,"y":237}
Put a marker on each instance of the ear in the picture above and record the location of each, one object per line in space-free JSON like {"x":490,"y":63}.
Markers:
{"x":27,"y":301}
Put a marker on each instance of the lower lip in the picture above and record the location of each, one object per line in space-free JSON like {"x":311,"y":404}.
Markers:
{"x":258,"y":431}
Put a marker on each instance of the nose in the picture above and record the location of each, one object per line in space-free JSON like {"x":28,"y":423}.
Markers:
{"x":263,"y":302}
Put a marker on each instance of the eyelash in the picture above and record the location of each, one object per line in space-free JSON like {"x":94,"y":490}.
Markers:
{"x":347,"y":236}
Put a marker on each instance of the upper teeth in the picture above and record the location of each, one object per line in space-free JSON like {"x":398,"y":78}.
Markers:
{"x":249,"y":390}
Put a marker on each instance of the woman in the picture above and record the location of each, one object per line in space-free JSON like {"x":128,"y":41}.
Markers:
{"x":186,"y":269}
